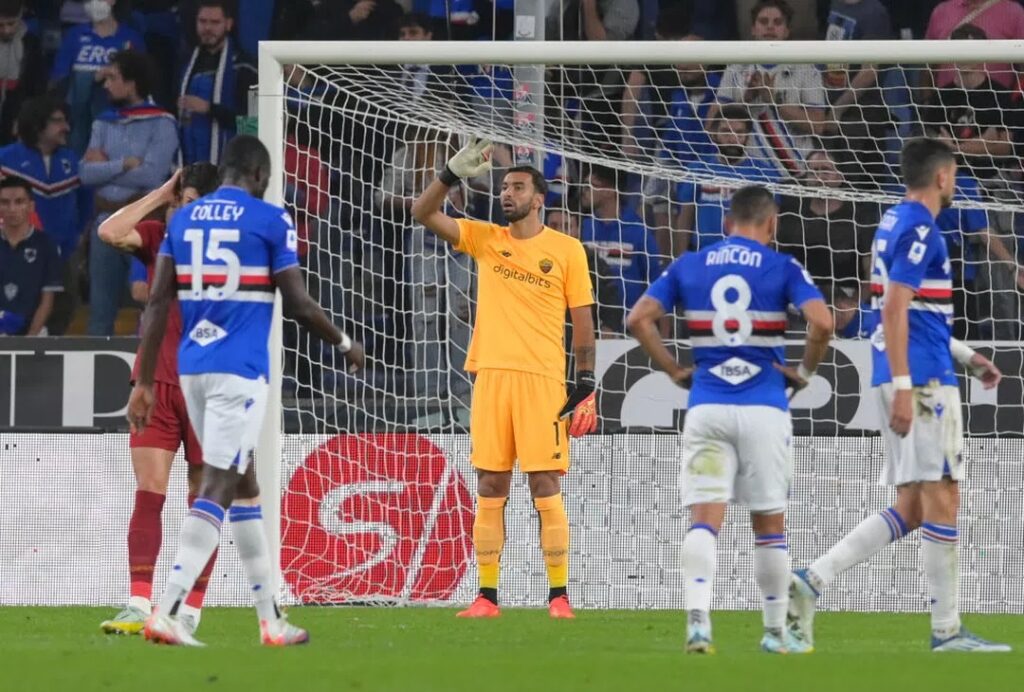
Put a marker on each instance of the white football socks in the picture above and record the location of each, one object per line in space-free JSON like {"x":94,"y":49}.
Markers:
{"x":867,"y":538}
{"x":251,"y":541}
{"x":939,"y":559}
{"x":200,"y":535}
{"x":771,"y":571}
{"x":699,"y":558}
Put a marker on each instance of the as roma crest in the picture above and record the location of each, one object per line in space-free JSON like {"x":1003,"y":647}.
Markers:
{"x":545,"y":265}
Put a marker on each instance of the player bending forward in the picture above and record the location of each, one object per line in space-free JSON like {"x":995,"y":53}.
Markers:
{"x":528,"y":274}
{"x":153,"y":450}
{"x":224,"y":255}
{"x":736,"y":439}
{"x":917,"y":393}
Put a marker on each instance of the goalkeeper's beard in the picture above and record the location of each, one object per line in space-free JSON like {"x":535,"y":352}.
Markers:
{"x":516,"y":214}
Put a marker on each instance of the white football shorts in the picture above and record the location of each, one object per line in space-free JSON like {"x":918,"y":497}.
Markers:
{"x":933,"y":447}
{"x":737,"y":454}
{"x":227,"y":413}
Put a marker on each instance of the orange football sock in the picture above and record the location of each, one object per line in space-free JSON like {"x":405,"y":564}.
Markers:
{"x":554,"y":539}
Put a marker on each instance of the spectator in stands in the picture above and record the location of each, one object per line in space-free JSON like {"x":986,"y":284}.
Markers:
{"x":419,"y":79}
{"x":701,"y":220}
{"x":78,"y":69}
{"x":307,"y":185}
{"x":138,"y":281}
{"x":853,"y":319}
{"x":131,"y":151}
{"x":997,"y":19}
{"x":353,"y":20}
{"x":830,"y":236}
{"x":802,"y":24}
{"x":214,"y":87}
{"x":975,"y":116}
{"x":966,"y":228}
{"x":42,"y":157}
{"x":598,"y":90}
{"x":664,"y":106}
{"x":608,"y":310}
{"x":22,"y":71}
{"x":29,"y":264}
{"x":862,"y":125}
{"x":438,"y":282}
{"x":618,"y":234}
{"x":790,"y":98}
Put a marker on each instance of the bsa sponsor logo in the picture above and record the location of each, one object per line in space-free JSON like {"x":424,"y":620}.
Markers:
{"x":735,"y":370}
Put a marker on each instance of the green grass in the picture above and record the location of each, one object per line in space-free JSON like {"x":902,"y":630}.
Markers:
{"x":428,"y":649}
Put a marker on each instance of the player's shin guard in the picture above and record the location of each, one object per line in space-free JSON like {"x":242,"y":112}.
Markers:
{"x":488,"y":541}
{"x":699,"y":559}
{"x":554,"y":542}
{"x":939,"y":559}
{"x":200,"y":534}
{"x":195,"y":597}
{"x":144,"y":538}
{"x":253,"y":551}
{"x":866,"y":539}
{"x":771,"y":571}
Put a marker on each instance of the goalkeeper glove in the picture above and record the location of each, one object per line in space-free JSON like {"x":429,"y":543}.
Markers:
{"x":582,"y":404}
{"x":468,"y":162}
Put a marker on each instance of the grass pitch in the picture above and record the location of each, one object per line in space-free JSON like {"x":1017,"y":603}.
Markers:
{"x":428,"y":649}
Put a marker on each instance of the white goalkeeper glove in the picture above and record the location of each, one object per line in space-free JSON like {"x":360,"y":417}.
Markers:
{"x":468,"y":162}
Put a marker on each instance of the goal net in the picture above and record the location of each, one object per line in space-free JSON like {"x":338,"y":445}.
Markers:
{"x":642,"y":146}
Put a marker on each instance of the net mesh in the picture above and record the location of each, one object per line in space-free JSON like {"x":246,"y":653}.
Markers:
{"x":621,"y":496}
{"x":641,"y":161}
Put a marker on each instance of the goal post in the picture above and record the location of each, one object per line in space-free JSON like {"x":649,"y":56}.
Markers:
{"x":356,"y":101}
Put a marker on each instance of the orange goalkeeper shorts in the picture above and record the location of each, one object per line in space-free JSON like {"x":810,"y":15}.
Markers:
{"x":514,"y":415}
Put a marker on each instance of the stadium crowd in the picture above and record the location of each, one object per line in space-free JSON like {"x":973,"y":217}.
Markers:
{"x":102,"y":100}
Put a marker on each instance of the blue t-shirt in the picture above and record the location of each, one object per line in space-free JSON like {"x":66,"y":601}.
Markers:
{"x":711,"y":198}
{"x":734,"y":295}
{"x":26,"y":270}
{"x":909,"y":249}
{"x":862,"y":324}
{"x":239,"y":243}
{"x":628,"y":248}
{"x":957,"y":223}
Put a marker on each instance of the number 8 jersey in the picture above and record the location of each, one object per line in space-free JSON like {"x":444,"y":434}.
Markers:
{"x":734,"y":295}
{"x":226,"y":248}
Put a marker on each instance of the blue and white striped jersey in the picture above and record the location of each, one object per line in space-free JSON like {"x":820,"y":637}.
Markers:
{"x":909,"y":249}
{"x":226,"y":248}
{"x":735,"y":294}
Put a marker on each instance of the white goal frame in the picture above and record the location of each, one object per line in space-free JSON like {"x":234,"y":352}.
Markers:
{"x":273,"y":55}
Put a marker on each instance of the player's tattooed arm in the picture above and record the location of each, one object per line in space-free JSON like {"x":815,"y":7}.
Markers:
{"x":583,"y":341}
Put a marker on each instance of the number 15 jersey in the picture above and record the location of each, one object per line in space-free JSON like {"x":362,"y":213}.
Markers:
{"x":734,"y":295}
{"x":226,"y":248}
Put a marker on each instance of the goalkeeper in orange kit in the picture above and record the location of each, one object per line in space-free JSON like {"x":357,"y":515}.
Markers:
{"x":528,"y":275}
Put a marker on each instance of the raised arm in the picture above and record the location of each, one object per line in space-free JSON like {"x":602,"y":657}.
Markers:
{"x":470,"y":161}
{"x":119,"y":228}
{"x":298,"y":305}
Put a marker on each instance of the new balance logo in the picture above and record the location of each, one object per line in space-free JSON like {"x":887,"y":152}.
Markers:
{"x":506,"y":253}
{"x":922,"y":231}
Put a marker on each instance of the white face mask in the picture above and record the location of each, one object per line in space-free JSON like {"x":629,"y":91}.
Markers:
{"x":98,"y":10}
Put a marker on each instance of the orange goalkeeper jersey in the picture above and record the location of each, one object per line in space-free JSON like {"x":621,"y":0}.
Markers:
{"x":523,"y":290}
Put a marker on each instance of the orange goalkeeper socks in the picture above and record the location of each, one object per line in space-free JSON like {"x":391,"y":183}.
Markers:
{"x":488,"y":540}
{"x":554,"y":540}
